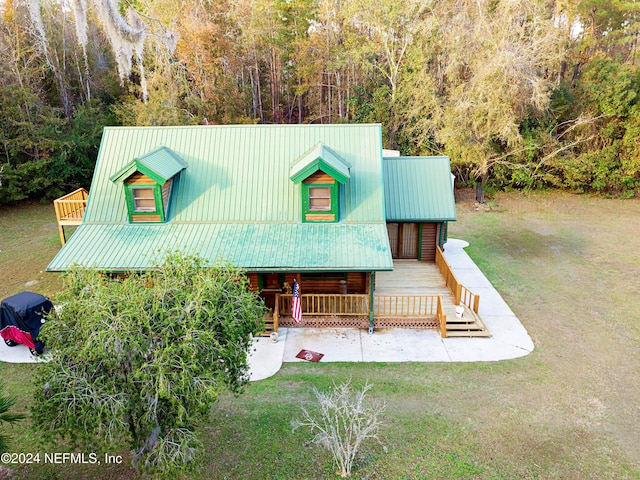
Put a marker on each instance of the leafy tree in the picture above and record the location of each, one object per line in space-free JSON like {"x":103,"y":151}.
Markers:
{"x":48,"y":145}
{"x":498,"y":55}
{"x":45,"y":157}
{"x":605,"y":157}
{"x":141,"y":359}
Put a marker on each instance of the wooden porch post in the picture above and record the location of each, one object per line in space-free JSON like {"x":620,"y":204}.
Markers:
{"x":458,"y":293}
{"x":372,"y":282}
{"x":63,"y":240}
{"x":276,"y":313}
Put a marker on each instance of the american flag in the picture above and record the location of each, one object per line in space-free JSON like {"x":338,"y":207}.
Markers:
{"x":296,"y":309}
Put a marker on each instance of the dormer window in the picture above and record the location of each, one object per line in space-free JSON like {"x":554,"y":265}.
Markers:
{"x":320,"y":171}
{"x":143,"y":200}
{"x":147,"y":201}
{"x":148,"y":181}
{"x":319,"y":199}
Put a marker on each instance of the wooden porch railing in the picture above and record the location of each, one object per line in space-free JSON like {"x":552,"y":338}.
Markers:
{"x":70,"y":210}
{"x":460,"y":293}
{"x":317,"y":304}
{"x":399,"y":306}
{"x":442,"y":318}
{"x":384,"y":306}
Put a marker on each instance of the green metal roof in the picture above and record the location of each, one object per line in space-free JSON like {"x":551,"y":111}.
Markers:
{"x":235,"y":200}
{"x":160,"y":165}
{"x":418,"y":189}
{"x":322,"y":158}
{"x":299,"y":247}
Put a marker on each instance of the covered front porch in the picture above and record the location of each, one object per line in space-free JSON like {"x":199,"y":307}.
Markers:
{"x":418,"y":295}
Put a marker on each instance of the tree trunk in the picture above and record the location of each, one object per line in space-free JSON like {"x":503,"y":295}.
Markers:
{"x":480,"y":191}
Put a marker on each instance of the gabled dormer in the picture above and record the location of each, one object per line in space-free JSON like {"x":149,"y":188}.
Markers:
{"x":320,"y":171}
{"x":147,"y":182}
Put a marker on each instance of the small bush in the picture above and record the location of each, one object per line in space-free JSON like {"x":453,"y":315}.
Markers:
{"x":6,"y":417}
{"x":345,"y":421}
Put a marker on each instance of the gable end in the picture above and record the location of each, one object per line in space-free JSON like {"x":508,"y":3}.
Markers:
{"x":320,"y":158}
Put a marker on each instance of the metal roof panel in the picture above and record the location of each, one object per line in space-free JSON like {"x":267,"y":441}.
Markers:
{"x":251,"y":246}
{"x":418,"y":189}
{"x":241,"y":172}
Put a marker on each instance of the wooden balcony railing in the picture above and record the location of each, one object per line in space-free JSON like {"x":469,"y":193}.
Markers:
{"x":460,"y":293}
{"x":70,"y":210}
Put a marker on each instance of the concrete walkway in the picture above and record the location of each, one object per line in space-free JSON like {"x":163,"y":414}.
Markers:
{"x":19,"y":354}
{"x":509,"y":340}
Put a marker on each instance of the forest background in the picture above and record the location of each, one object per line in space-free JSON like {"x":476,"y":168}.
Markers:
{"x":522,"y":94}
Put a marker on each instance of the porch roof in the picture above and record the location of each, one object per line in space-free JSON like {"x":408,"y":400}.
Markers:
{"x":268,"y":247}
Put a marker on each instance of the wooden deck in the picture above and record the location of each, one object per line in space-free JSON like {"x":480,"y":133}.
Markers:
{"x":70,"y":210}
{"x":411,"y":277}
{"x":403,"y":298}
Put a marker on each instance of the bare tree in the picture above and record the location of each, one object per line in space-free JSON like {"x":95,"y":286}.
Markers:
{"x":346,"y":420}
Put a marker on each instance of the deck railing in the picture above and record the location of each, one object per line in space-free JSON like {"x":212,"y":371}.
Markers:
{"x":442,"y":318}
{"x":70,"y":210}
{"x":404,"y":306}
{"x":384,"y":306}
{"x":330,"y":304}
{"x":461,"y":294}
{"x":72,"y":206}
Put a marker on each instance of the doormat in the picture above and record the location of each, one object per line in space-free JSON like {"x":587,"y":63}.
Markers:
{"x":309,"y":356}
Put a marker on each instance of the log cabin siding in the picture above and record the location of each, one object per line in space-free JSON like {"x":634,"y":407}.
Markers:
{"x":320,"y":178}
{"x":320,"y":217}
{"x":139,"y":179}
{"x":145,"y":218}
{"x":253,"y":281}
{"x":356,"y":282}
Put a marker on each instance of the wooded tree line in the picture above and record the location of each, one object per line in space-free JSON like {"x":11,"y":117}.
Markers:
{"x":519,"y":93}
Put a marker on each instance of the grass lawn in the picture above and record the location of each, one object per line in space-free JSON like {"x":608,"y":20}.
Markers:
{"x":29,"y":239}
{"x":569,"y":266}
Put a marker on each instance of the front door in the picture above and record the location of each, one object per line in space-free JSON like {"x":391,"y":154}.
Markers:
{"x":403,"y":239}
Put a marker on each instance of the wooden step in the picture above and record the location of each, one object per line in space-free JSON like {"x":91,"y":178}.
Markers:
{"x":268,"y":325}
{"x":469,"y":334}
{"x":470,"y":325}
